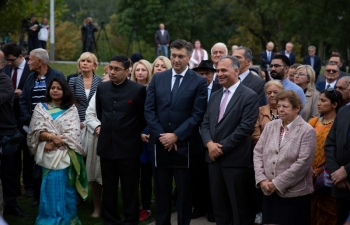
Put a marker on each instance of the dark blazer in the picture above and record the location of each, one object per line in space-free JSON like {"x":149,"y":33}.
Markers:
{"x":317,"y":63}
{"x":256,"y":84}
{"x":337,"y":148}
{"x":16,"y":109}
{"x":264,"y":60}
{"x":321,"y":86}
{"x":120,"y":109}
{"x":322,"y":78}
{"x":216,"y":86}
{"x":162,"y":39}
{"x":235,"y":128}
{"x":76,"y":85}
{"x":183,"y":115}
{"x":291,"y":57}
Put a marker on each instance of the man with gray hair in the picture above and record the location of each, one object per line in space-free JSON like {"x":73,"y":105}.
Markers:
{"x":288,"y":52}
{"x":343,"y":86}
{"x":226,"y":130}
{"x":34,"y":92}
{"x":266,"y":56}
{"x":313,"y":60}
{"x":218,"y":51}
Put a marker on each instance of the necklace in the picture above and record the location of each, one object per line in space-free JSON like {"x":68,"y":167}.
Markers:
{"x":273,"y":116}
{"x":324,"y":123}
{"x":53,"y":106}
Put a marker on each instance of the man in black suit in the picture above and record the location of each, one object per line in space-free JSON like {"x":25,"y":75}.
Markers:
{"x":313,"y":60}
{"x":266,"y":56}
{"x":202,"y":204}
{"x":88,"y":35}
{"x":18,"y":70}
{"x":338,"y":161}
{"x":226,"y":129}
{"x":162,"y":39}
{"x":288,"y":52}
{"x":331,"y":74}
{"x":120,"y":108}
{"x":175,"y":106}
{"x":247,"y":78}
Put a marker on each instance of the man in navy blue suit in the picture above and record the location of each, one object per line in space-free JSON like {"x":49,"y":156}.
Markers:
{"x":313,"y":60}
{"x":266,"y":56}
{"x":175,"y":105}
{"x":331,"y":74}
{"x":288,"y":52}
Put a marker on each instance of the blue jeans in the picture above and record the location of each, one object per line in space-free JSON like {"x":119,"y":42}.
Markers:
{"x":164,"y":49}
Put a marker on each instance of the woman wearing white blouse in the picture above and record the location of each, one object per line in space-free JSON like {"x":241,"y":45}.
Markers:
{"x":198,"y":54}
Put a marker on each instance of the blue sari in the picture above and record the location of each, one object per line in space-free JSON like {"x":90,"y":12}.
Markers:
{"x":58,"y":196}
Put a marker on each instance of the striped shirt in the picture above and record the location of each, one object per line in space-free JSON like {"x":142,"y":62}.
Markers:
{"x":39,"y":91}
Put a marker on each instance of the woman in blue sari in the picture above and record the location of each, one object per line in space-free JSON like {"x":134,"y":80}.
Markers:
{"x":54,"y":138}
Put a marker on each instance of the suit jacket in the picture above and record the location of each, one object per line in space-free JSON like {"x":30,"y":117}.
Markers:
{"x":234,"y":129}
{"x":310,"y":109}
{"x":181,"y":116}
{"x":264,"y":60}
{"x":291,"y":57}
{"x":322,"y":78}
{"x":16,"y":109}
{"x":287,"y":165}
{"x":337,"y":148}
{"x":317,"y":63}
{"x":256,"y":84}
{"x":162,"y":39}
{"x":216,"y":86}
{"x":120,"y":109}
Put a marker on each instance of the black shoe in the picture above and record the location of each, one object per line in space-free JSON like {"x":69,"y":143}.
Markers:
{"x":35,"y":203}
{"x":29,"y":193}
{"x":196,"y":215}
{"x":15,"y":211}
{"x":210,"y":218}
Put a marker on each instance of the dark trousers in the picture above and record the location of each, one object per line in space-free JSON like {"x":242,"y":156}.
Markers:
{"x":33,"y":43}
{"x":229,"y":194}
{"x":89,"y":46}
{"x":8,"y":180}
{"x":27,"y":169}
{"x":42,"y":44}
{"x":163,"y":182}
{"x":128,"y":171}
{"x":146,"y":185}
{"x":200,"y":185}
{"x":343,"y":209}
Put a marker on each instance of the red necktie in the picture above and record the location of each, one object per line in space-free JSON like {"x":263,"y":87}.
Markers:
{"x":14,"y":78}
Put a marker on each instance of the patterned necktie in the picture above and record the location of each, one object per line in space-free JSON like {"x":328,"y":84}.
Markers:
{"x":175,"y":87}
{"x":223,"y":105}
{"x":269,"y":56}
{"x":14,"y":78}
{"x":328,"y":86}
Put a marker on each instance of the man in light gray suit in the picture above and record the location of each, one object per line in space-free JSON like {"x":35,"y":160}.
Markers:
{"x":226,"y":130}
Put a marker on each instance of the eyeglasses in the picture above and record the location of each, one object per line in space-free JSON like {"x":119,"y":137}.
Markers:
{"x":332,"y":71}
{"x":300,"y":74}
{"x":332,"y":90}
{"x":116,"y":69}
{"x":178,"y":56}
{"x":276,"y":65}
{"x":11,"y":60}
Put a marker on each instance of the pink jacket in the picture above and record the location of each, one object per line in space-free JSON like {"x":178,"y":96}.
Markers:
{"x":288,"y":166}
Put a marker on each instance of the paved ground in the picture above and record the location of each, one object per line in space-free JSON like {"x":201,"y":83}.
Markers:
{"x":199,"y":221}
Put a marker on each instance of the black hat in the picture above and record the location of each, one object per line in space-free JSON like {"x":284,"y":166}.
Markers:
{"x":205,"y":65}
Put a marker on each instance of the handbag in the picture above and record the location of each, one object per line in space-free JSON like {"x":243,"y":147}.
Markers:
{"x":10,"y":144}
{"x":323,"y":183}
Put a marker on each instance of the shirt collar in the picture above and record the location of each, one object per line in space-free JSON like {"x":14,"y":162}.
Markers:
{"x":244,"y":75}
{"x":290,"y":124}
{"x":182,"y":74}
{"x":332,"y":84}
{"x":233,"y":88}
{"x":21,"y":66}
{"x":210,"y":86}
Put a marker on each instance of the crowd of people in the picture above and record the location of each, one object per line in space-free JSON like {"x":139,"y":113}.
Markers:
{"x":243,"y":145}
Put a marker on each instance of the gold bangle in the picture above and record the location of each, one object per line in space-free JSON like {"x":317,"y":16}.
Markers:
{"x":49,"y":137}
{"x":53,"y":144}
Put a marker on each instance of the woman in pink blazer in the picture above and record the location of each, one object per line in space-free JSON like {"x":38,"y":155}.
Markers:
{"x":282,"y":163}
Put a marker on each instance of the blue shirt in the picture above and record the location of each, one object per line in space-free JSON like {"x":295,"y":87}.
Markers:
{"x":288,"y":85}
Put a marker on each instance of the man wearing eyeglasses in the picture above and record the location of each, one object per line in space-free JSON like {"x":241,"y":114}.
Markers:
{"x":335,"y":58}
{"x":331,"y":74}
{"x":344,"y":88}
{"x":279,"y":69}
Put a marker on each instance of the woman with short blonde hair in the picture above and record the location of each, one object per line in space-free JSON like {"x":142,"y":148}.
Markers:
{"x":141,"y":72}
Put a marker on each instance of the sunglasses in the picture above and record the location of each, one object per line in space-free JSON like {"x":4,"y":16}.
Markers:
{"x":332,"y":71}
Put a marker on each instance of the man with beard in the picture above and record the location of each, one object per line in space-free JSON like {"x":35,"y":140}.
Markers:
{"x":279,"y":69}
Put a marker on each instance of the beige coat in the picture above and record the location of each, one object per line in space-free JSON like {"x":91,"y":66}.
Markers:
{"x":287,"y":165}
{"x":263,"y":119}
{"x":310,"y":109}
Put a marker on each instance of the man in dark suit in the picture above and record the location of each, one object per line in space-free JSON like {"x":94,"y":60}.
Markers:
{"x":266,"y":56}
{"x":331,"y":74}
{"x":120,"y":108}
{"x":288,"y":52}
{"x":88,"y":35}
{"x":202,"y":204}
{"x":175,"y":106}
{"x":342,"y":63}
{"x":313,"y":60}
{"x":226,"y":129}
{"x":335,"y":58}
{"x":162,"y":39}
{"x":247,"y":78}
{"x":338,"y":161}
{"x":18,"y":70}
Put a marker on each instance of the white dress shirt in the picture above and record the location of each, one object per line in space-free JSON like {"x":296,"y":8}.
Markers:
{"x":232,"y":90}
{"x":174,"y":78}
{"x":19,"y":72}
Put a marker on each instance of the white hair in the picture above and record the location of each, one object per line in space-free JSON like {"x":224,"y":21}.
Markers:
{"x":219,"y":44}
{"x":42,"y":54}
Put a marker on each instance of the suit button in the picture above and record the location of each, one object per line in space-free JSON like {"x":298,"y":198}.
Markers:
{"x":276,"y":152}
{"x":273,"y":162}
{"x":273,"y":173}
{"x":169,"y":124}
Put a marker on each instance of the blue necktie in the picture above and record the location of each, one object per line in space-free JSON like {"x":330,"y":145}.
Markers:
{"x":175,"y":87}
{"x":209,"y":92}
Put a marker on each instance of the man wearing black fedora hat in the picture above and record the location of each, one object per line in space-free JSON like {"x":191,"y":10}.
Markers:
{"x":206,"y":69}
{"x":202,"y":204}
